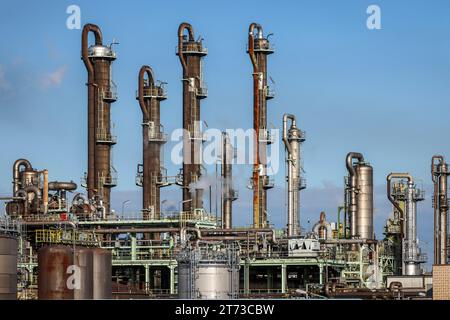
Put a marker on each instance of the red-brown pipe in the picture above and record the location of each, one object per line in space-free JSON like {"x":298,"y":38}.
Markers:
{"x":91,"y":101}
{"x":144,"y":70}
{"x":184,"y":26}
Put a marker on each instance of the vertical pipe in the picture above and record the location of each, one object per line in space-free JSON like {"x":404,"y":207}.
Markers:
{"x":45,"y":191}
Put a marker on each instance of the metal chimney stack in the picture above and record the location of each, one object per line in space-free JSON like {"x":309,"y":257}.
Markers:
{"x":101,"y":176}
{"x":149,"y":174}
{"x":439,"y":174}
{"x":292,"y":138}
{"x":258,"y":49}
{"x":190,"y":53}
{"x":228,"y":193}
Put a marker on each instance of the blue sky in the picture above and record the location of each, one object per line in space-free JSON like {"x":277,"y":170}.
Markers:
{"x":384,"y":93}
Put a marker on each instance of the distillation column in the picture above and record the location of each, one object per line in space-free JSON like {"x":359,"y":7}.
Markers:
{"x":149,"y":174}
{"x":101,"y":175}
{"x":292,"y":138}
{"x":411,"y":253}
{"x":190,"y":53}
{"x":439,"y":174}
{"x":359,"y":197}
{"x":228,"y":193}
{"x":258,"y":49}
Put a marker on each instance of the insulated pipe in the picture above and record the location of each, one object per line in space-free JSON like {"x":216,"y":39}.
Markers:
{"x":22,"y":195}
{"x":77,"y":198}
{"x":322,"y":223}
{"x":287,"y":117}
{"x":352,"y":181}
{"x":388,"y":188}
{"x":45,"y":191}
{"x":91,"y":102}
{"x":57,"y":185}
{"x":439,"y":174}
{"x":183,"y":234}
{"x":37,"y":195}
{"x":16,"y":172}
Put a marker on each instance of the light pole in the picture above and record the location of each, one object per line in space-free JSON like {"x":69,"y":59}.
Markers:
{"x":123,"y":206}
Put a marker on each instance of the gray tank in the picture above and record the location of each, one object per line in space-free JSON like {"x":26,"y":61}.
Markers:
{"x":364,"y":201}
{"x":8,"y":267}
{"x":208,"y":275}
{"x":102,"y":274}
{"x":83,"y":259}
{"x":53,"y":276}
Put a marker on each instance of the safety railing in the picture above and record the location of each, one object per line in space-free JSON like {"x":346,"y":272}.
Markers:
{"x":267,"y":136}
{"x":103,"y":136}
{"x":111,"y":179}
{"x":270,"y":93}
{"x":111,"y":94}
{"x":192,"y":48}
{"x":202,"y":91}
{"x":153,"y":91}
{"x":51,"y":236}
{"x":263,"y":46}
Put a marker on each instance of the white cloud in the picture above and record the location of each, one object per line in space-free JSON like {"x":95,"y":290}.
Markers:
{"x":55,"y":78}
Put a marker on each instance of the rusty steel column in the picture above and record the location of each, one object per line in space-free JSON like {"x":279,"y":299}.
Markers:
{"x":149,"y":96}
{"x":190,"y":53}
{"x":101,"y":93}
{"x":439,"y":174}
{"x":258,"y":49}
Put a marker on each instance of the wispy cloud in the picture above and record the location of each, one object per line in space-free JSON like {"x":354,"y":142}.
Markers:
{"x":5,"y":85}
{"x":55,"y":78}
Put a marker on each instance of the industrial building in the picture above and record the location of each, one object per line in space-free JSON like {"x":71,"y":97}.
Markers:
{"x":56,"y":247}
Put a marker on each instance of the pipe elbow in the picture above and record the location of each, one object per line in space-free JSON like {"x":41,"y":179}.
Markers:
{"x":185,"y":26}
{"x":258,"y":27}
{"x":89,"y":27}
{"x":349,"y":161}
{"x":151,"y":80}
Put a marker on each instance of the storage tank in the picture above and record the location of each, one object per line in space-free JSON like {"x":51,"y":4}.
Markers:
{"x":83,"y":259}
{"x":8,"y":267}
{"x":364,"y":201}
{"x":53,"y":264}
{"x":208,"y":275}
{"x":102,"y":274}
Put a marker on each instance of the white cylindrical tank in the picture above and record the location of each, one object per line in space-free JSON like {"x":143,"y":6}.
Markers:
{"x":208,"y":275}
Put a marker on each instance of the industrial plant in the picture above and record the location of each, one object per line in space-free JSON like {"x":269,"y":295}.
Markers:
{"x":62,"y":240}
